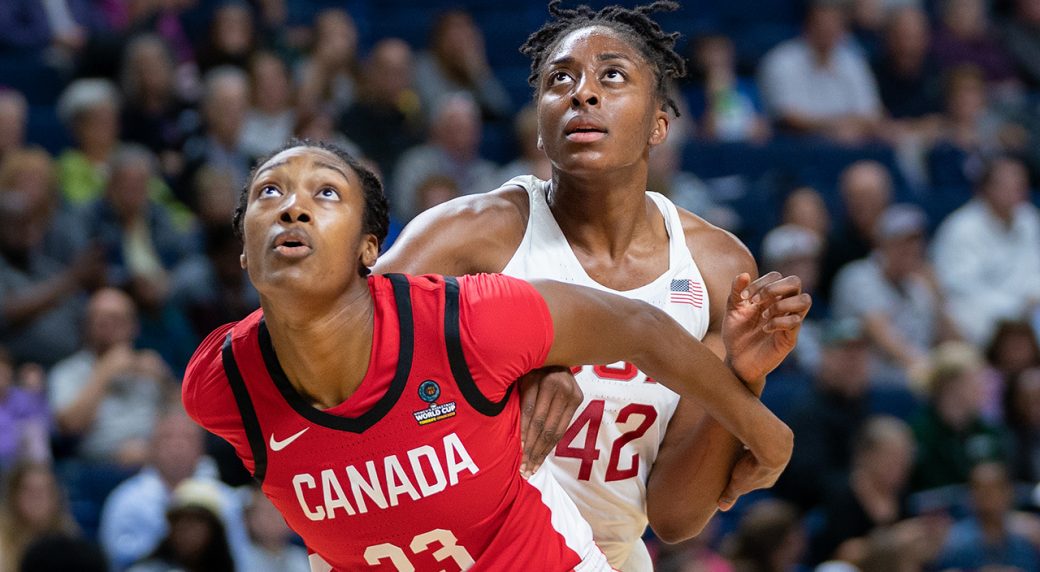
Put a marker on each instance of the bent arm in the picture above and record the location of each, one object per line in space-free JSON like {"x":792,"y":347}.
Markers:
{"x":596,"y":327}
{"x":697,"y":457}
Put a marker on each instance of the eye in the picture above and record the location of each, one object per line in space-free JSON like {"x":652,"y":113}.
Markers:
{"x":269,"y":191}
{"x":557,"y":77}
{"x":614,"y":75}
{"x":328,"y":193}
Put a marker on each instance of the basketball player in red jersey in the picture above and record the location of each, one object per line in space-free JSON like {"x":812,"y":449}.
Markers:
{"x":600,"y":88}
{"x":377,"y":411}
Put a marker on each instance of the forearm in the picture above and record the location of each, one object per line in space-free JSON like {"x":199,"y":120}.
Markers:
{"x":672,"y":354}
{"x":29,"y":304}
{"x":689,"y":475}
{"x":80,"y":414}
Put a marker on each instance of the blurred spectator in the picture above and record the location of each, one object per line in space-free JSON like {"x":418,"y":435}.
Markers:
{"x":964,"y":37}
{"x":875,"y":493}
{"x":328,"y":75}
{"x":153,"y":114}
{"x":907,"y":546}
{"x":987,"y":253}
{"x":63,"y":551}
{"x":769,"y":538}
{"x":39,"y":298}
{"x":725,"y":105}
{"x":532,"y":160}
{"x":987,"y":539}
{"x":1022,"y":411}
{"x":231,"y":37}
{"x":14,"y":118}
{"x":196,"y":541}
{"x":270,"y":120}
{"x":436,"y":189}
{"x":225,"y":102}
{"x":270,"y":549}
{"x":133,"y":521}
{"x":795,"y":250}
{"x":686,"y":189}
{"x":456,"y":60}
{"x":698,"y":554}
{"x":908,"y":76}
{"x":320,"y":125}
{"x":108,"y":394}
{"x":827,"y":420}
{"x":951,"y":434}
{"x":806,"y":208}
{"x":1012,"y":350}
{"x":386,"y":119}
{"x":819,"y":83}
{"x":89,"y":108}
{"x":137,"y":233}
{"x":894,"y":294}
{"x":24,"y":416}
{"x":34,"y":506}
{"x":866,"y":191}
{"x":30,"y":172}
{"x":218,"y":291}
{"x":145,"y":252}
{"x":453,"y":149}
{"x":868,"y":20}
{"x":1021,"y":35}
{"x":970,"y":131}
{"x":217,"y":196}
{"x":61,"y":25}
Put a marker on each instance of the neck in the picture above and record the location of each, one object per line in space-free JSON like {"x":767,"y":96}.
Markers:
{"x":323,"y":346}
{"x":602,"y":212}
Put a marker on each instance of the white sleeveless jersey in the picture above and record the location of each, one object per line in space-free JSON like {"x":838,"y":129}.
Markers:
{"x":604,"y":458}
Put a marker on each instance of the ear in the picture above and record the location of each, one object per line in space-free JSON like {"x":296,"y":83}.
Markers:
{"x":540,"y":144}
{"x":242,"y":261}
{"x":369,"y":250}
{"x":659,"y":133}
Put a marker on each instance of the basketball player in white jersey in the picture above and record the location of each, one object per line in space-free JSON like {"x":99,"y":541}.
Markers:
{"x":634,"y":453}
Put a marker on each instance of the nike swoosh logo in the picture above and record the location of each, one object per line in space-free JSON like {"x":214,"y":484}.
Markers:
{"x":277,"y":445}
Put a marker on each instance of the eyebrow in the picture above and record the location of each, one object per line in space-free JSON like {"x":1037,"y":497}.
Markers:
{"x":604,"y":57}
{"x":334,"y":168}
{"x":317,"y":163}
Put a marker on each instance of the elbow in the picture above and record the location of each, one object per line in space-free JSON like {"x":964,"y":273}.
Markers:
{"x":672,"y":529}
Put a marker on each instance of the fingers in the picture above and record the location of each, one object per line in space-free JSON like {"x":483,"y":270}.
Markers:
{"x":797,"y":306}
{"x":776,"y":289}
{"x":748,"y":475}
{"x":763,"y":281}
{"x":551,"y":398}
{"x":738,"y":291}
{"x":556,"y":421}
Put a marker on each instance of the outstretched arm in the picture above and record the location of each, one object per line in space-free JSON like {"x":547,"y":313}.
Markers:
{"x":596,"y":327}
{"x":700,"y":466}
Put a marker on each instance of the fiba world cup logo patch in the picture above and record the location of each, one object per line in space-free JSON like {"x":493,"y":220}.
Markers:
{"x":430,"y":391}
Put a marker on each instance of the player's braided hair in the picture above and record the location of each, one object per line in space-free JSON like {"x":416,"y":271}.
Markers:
{"x":635,"y":24}
{"x":376,"y":218}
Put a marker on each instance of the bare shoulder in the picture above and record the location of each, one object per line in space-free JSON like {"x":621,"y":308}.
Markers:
{"x":719,"y":255}
{"x":470,"y":234}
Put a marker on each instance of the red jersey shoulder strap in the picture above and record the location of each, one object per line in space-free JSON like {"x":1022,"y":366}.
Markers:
{"x":250,"y":422}
{"x":457,"y":359}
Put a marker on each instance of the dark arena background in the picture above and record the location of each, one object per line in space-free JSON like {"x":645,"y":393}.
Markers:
{"x":885,"y":151}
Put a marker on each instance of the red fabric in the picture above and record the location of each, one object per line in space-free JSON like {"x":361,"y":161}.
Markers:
{"x":494,"y":515}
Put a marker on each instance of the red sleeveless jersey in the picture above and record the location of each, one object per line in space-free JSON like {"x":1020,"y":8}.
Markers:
{"x":419,"y":468}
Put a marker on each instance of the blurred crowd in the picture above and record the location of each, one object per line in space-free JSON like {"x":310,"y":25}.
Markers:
{"x":885,"y":151}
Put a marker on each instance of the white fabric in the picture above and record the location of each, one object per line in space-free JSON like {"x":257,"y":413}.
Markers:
{"x":792,"y":81}
{"x":616,"y":509}
{"x":988,"y":271}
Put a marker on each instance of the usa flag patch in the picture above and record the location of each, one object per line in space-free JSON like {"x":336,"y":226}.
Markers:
{"x":686,"y":292}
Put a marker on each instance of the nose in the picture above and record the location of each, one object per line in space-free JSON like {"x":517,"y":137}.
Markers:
{"x":294,"y":211}
{"x":585,"y":94}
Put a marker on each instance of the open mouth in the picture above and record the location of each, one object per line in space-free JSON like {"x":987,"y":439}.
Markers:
{"x":292,"y":244}
{"x":584,"y":131}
